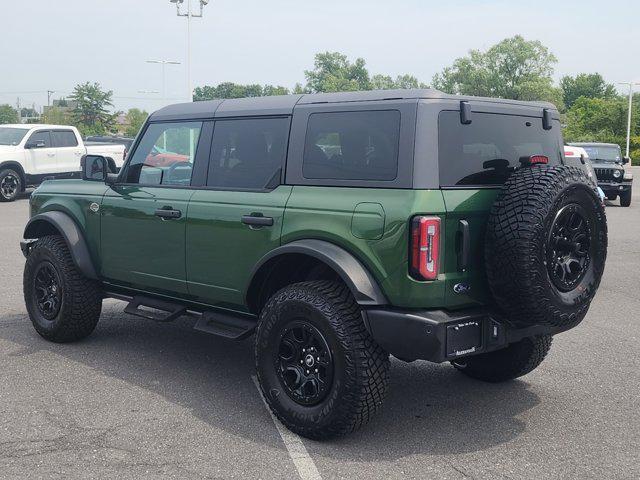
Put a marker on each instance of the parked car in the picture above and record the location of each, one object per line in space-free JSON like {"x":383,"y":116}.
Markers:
{"x":31,"y":153}
{"x":339,"y":228}
{"x":579,"y":156}
{"x":126,"y":141}
{"x":608,"y":164}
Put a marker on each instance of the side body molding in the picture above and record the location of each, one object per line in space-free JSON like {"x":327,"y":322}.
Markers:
{"x":364,"y":287}
{"x":40,"y":224}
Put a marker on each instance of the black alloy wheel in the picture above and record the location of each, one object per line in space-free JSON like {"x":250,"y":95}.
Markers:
{"x":47,"y":290}
{"x":568,"y":247}
{"x":9,"y":186}
{"x":304,"y":363}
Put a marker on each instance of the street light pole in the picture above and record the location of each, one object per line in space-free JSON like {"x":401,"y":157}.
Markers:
{"x":189,"y":14}
{"x":164,"y":63}
{"x":631,"y":84}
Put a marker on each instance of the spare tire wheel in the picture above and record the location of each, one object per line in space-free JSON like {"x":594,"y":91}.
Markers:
{"x":546,"y":246}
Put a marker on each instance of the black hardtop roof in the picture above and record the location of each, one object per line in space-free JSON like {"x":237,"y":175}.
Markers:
{"x":284,"y":104}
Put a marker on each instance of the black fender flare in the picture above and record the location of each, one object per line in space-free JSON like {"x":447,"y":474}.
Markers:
{"x":71,"y":233}
{"x":362,"y":284}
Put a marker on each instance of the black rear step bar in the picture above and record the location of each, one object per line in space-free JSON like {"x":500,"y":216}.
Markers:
{"x":222,"y":324}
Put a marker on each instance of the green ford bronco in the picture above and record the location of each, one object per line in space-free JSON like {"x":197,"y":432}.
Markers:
{"x":339,"y":228}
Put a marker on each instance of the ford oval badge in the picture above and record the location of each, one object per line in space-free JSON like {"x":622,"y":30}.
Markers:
{"x":461,"y":288}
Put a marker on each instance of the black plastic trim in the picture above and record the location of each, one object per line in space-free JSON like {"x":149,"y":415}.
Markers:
{"x":72,"y":236}
{"x":363,"y":286}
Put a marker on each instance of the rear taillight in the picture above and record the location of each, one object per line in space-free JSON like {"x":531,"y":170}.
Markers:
{"x":425,"y":247}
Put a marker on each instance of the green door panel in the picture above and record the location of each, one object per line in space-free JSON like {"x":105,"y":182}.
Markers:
{"x":139,"y":249}
{"x":368,"y":221}
{"x":221,"y":250}
{"x":326,"y":213}
{"x":472,"y":205}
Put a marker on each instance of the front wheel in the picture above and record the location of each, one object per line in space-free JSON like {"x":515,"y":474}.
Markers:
{"x":320,"y":371}
{"x":516,"y":360}
{"x":625,"y":198}
{"x":10,"y":185}
{"x":63,"y":305}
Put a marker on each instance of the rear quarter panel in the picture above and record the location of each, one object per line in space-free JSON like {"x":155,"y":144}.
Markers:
{"x":327,"y":213}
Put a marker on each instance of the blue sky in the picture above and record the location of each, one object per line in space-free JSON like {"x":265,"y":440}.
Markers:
{"x":55,"y":44}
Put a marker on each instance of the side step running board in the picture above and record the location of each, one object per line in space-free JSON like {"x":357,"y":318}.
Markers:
{"x":224,"y":325}
{"x":153,"y":309}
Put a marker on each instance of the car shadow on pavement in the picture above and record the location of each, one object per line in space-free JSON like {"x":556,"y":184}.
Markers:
{"x":430,"y":409}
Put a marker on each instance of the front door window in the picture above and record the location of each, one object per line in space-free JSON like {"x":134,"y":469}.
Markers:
{"x":165,"y":155}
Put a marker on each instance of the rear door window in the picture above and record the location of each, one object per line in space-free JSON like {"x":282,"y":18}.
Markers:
{"x":248,"y":153}
{"x":487,"y":151}
{"x":64,"y":138}
{"x":352,"y":145}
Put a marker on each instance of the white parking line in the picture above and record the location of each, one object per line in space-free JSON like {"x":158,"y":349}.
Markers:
{"x":297,"y":451}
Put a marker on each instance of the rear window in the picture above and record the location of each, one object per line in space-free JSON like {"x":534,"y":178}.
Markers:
{"x":487,"y":151}
{"x":352,"y":145}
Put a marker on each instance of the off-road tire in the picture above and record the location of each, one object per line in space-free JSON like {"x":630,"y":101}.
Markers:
{"x":625,"y":198}
{"x":518,"y":246}
{"x":361,"y":366}
{"x":516,"y":360}
{"x":4,"y":174}
{"x":81,"y":298}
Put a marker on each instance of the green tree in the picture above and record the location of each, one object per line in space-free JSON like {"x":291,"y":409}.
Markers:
{"x":8,"y":114}
{"x":235,"y":90}
{"x":590,"y":85}
{"x":333,"y":72}
{"x":135,"y":118}
{"x":56,"y":116}
{"x":385,"y":82}
{"x":514,"y":68}
{"x":91,"y":115}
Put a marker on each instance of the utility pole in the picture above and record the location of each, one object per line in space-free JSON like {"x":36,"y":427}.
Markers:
{"x":189,"y":15}
{"x":631,"y":84}
{"x":164,"y":63}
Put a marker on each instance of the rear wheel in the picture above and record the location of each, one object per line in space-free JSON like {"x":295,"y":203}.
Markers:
{"x":625,"y":198}
{"x":10,"y":185}
{"x":516,"y":360}
{"x":63,"y":305}
{"x":320,"y":372}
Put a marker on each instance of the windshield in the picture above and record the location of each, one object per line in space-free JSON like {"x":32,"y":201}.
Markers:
{"x":12,"y":136}
{"x":604,"y":154}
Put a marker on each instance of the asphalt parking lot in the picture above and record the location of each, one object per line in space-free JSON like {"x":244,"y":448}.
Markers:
{"x":144,"y":400}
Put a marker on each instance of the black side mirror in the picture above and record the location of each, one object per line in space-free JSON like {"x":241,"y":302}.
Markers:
{"x":626,"y":160}
{"x":94,"y":168}
{"x":30,"y":145}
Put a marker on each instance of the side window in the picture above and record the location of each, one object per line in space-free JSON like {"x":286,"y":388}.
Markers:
{"x":41,"y":136}
{"x":248,"y":153}
{"x":64,"y":138}
{"x":165,"y":154}
{"x":352,"y":145}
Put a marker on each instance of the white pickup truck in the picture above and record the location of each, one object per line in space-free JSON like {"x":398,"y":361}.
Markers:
{"x":30,"y":154}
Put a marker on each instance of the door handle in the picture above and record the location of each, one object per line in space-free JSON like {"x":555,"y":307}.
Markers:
{"x":51,"y":154}
{"x":257,"y":220}
{"x":463,"y":245}
{"x":168,"y":213}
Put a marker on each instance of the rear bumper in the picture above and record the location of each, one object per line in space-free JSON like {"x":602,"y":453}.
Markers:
{"x":441,"y":336}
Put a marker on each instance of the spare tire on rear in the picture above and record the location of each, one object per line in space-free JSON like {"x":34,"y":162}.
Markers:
{"x":546,"y":246}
